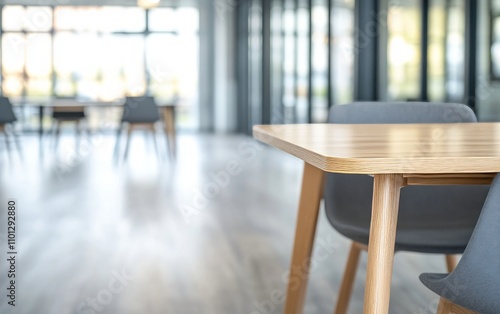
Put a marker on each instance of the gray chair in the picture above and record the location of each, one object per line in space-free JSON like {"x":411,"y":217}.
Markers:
{"x":138,"y":112}
{"x":67,"y":109}
{"x":432,"y":219}
{"x":7,"y":120}
{"x":474,"y":286}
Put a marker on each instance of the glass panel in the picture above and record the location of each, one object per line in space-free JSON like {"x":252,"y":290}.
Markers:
{"x":12,"y":17}
{"x":39,"y":55}
{"x":343,"y":52}
{"x":13,"y":53}
{"x":436,"y":51}
{"x":122,"y":19}
{"x":187,"y":20}
{"x":76,"y":18}
{"x":302,"y":62}
{"x":162,"y":19}
{"x":319,"y":61}
{"x":455,"y":47}
{"x":289,"y":80}
{"x":12,"y":85}
{"x":404,"y":25}
{"x":255,"y":64}
{"x":38,"y":87}
{"x":276,"y":62}
{"x":102,"y":19}
{"x":38,"y":19}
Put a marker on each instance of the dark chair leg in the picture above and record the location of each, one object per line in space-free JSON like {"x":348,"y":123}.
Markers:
{"x":117,"y":143}
{"x":127,"y":143}
{"x":17,"y":143}
{"x":57,"y":133}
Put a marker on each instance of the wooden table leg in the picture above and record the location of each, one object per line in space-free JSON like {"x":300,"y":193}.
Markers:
{"x":310,"y":197}
{"x":169,"y":122}
{"x":385,"y":209}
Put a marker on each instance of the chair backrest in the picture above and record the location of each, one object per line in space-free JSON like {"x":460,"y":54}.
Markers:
{"x":6,"y":111}
{"x":140,"y":110}
{"x":475,"y":282}
{"x":67,"y":108}
{"x":348,"y":198}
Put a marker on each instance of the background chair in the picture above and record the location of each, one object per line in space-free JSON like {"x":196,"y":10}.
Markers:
{"x":139,"y":112}
{"x":66,"y":109}
{"x":7,"y":120}
{"x":474,"y":286}
{"x":432,"y":219}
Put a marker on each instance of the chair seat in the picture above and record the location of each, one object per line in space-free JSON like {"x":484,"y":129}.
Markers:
{"x":421,"y":240}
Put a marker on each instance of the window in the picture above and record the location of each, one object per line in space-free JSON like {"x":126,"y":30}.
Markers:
{"x":404,"y":25}
{"x":102,"y":53}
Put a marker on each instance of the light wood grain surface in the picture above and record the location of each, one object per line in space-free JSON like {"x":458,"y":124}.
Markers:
{"x":390,"y":148}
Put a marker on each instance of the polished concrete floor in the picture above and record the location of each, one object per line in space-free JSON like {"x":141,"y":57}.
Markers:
{"x":208,"y":233}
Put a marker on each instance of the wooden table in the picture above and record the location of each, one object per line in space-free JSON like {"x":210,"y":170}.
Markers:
{"x":396,"y":155}
{"x":167,"y":110}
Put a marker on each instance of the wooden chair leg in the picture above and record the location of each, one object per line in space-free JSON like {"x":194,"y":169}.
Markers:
{"x":451,"y":262}
{"x":348,"y":279}
{"x":447,"y":307}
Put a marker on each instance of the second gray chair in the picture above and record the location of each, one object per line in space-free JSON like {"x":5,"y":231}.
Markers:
{"x":7,"y":119}
{"x":432,"y":219}
{"x":138,"y":112}
{"x":474,"y":286}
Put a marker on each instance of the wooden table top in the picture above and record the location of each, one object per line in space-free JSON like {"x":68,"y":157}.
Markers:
{"x":52,"y":103}
{"x":390,"y":148}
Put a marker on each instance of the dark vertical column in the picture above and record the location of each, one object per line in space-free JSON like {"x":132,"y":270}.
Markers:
{"x":296,"y":60}
{"x":242,"y":68}
{"x":423,"y":50}
{"x":470,"y":53}
{"x":329,"y":66}
{"x":1,"y":58}
{"x":310,"y":70}
{"x":282,"y":81}
{"x":366,"y":50}
{"x":207,"y":66}
{"x":266,"y":62}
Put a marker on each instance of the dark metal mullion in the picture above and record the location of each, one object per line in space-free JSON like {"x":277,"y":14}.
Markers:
{"x":424,"y":44}
{"x":470,"y":53}
{"x":243,"y":68}
{"x":266,"y":62}
{"x":296,"y":61}
{"x":282,"y":62}
{"x":1,"y":54}
{"x":310,"y":74}
{"x":329,"y":89}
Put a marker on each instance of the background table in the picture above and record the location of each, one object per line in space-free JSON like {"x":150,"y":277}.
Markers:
{"x":396,"y":155}
{"x":167,"y":110}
